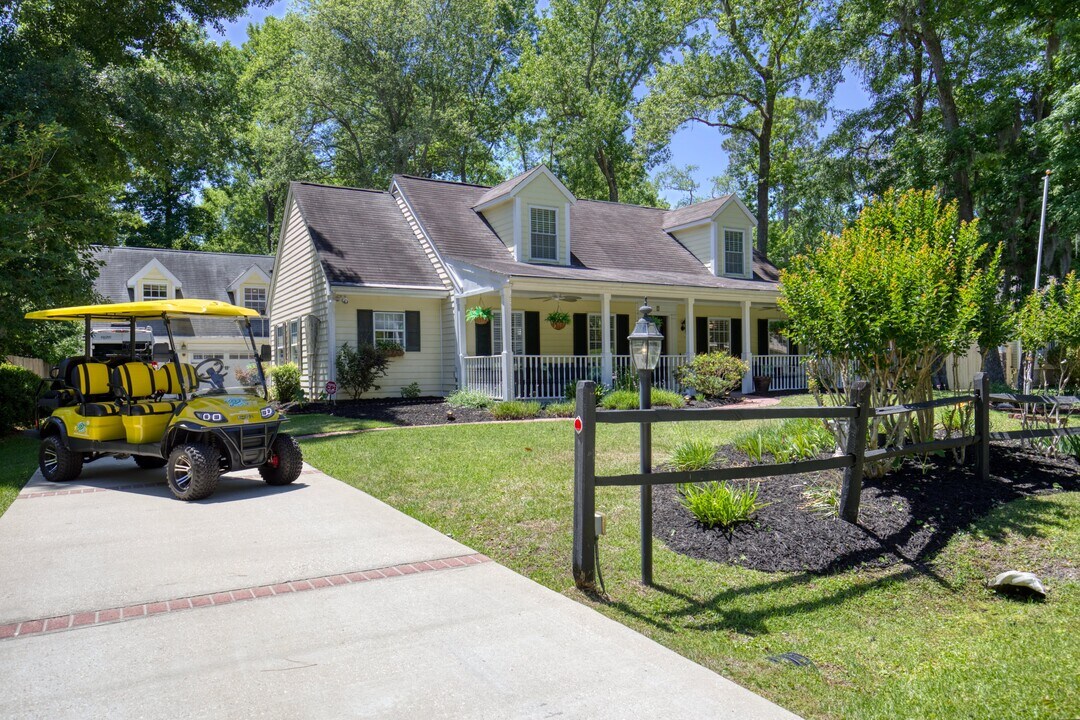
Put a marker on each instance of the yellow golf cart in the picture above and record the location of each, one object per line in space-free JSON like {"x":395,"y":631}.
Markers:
{"x":197,"y":419}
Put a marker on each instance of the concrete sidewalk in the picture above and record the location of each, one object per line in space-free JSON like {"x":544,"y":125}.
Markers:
{"x":313,"y":600}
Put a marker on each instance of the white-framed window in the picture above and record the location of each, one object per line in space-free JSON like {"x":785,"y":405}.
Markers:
{"x":241,"y":356}
{"x":596,"y":334}
{"x":255,"y":299}
{"x":155,"y":291}
{"x":196,"y":357}
{"x":517,"y":332}
{"x":733,"y":252}
{"x":543,"y":233}
{"x":279,"y":344}
{"x":778,"y":344}
{"x":294,"y":344}
{"x":389,"y":327}
{"x":719,"y":335}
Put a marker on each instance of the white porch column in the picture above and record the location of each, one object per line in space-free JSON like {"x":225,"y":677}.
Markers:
{"x":461,"y":338}
{"x":747,"y":355}
{"x":507,"y":345}
{"x":605,"y":333}
{"x":691,"y":329}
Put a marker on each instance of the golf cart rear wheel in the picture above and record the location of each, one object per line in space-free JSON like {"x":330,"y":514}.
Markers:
{"x":285,"y":461}
{"x":193,"y":471}
{"x":57,"y":463}
{"x":149,"y":462}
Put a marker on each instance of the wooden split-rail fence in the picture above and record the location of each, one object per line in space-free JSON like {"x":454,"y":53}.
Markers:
{"x":857,"y":413}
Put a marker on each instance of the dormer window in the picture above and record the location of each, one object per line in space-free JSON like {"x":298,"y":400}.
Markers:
{"x":255,"y":299}
{"x":155,"y":291}
{"x":733,"y":252}
{"x":544,"y":239}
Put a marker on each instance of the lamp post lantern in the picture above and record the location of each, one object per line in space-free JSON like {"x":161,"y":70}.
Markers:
{"x":645,"y":343}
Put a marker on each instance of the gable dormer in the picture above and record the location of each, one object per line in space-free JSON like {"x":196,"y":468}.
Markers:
{"x":719,"y":232}
{"x":531,"y":215}
{"x":154,"y":281}
{"x":250,"y":289}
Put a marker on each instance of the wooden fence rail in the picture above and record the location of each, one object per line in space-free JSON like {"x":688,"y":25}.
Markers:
{"x":858,"y":413}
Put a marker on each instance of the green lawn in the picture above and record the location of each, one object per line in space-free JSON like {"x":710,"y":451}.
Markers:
{"x":309,"y":424}
{"x":895,"y":643}
{"x":19,"y":460}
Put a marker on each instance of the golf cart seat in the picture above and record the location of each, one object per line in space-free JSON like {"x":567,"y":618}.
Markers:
{"x":167,"y":383}
{"x":134,"y":382}
{"x":91,"y":383}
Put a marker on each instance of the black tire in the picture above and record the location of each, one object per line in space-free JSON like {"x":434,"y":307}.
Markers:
{"x":285,"y":463}
{"x":57,"y":463}
{"x":149,"y":462}
{"x":193,"y":471}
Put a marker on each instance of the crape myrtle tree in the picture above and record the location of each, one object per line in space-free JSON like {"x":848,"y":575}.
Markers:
{"x":1048,"y":324}
{"x":889,"y":298}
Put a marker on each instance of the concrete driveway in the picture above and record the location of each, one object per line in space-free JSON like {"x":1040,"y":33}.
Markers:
{"x":311,"y":600}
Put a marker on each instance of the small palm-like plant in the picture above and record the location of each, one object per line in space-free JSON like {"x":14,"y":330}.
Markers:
{"x":722,"y":505}
{"x":693,"y":454}
{"x":479,"y":315}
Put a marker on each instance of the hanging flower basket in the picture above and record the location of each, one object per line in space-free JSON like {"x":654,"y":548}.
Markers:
{"x":478,"y":315}
{"x":558,"y":319}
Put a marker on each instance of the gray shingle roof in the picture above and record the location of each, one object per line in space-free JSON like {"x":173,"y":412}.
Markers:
{"x":609,"y":241}
{"x":205,"y":275}
{"x":692,"y":213}
{"x":362,"y":237}
{"x":506,"y":187}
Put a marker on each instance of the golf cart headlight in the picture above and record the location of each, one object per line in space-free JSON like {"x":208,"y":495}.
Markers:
{"x":267,"y":412}
{"x":214,"y":417}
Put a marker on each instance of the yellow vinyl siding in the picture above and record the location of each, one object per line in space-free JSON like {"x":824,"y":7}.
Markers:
{"x":732,"y":218}
{"x":541,"y":192}
{"x":299,"y":291}
{"x":698,"y":240}
{"x":426,"y":367}
{"x":501,"y":219}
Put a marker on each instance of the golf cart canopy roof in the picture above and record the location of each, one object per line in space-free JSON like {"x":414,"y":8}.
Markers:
{"x":184,"y":307}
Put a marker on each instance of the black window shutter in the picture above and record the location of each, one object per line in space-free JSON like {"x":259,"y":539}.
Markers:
{"x":581,"y":333}
{"x":412,"y":331}
{"x":736,"y":337}
{"x":532,"y":332}
{"x":762,"y":337}
{"x":665,"y":330}
{"x":701,"y":335}
{"x":483,"y":339}
{"x":365,"y":328}
{"x":622,"y":334}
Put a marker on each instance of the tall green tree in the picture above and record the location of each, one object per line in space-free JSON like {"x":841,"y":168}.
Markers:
{"x":752,"y":56}
{"x":580,"y":80}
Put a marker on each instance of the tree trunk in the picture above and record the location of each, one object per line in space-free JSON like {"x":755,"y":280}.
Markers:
{"x":764,"y":168}
{"x":268,"y":205}
{"x":607,"y":168}
{"x":992,"y":365}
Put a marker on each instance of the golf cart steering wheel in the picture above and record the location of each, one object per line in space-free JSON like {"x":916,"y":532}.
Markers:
{"x":216,"y":366}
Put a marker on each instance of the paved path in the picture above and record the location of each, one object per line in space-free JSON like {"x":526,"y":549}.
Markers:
{"x":312,"y":600}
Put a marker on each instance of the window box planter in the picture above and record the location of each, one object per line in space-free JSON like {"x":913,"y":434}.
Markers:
{"x":390,"y":349}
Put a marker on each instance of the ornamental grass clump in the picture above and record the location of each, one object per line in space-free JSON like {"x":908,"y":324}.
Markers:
{"x":693,"y":454}
{"x":628,"y":399}
{"x":563,"y":409}
{"x":722,"y":505}
{"x":515,"y":410}
{"x":467,"y":398}
{"x":886,"y":300}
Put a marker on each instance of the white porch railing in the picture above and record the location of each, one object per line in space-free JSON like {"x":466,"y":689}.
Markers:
{"x":787,"y":372}
{"x":545,"y":377}
{"x":663,"y":375}
{"x":484,"y":373}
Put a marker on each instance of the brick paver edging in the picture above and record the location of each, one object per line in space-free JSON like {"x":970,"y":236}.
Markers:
{"x":81,"y":491}
{"x":111,"y":615}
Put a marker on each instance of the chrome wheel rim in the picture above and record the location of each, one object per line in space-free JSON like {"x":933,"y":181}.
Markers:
{"x":182,"y":472}
{"x":51,"y":460}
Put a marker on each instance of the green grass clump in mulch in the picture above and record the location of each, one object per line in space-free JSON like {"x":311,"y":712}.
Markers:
{"x":628,"y":399}
{"x":925,"y":640}
{"x":515,"y":410}
{"x":563,"y":409}
{"x":469,"y":399}
{"x":20,"y":454}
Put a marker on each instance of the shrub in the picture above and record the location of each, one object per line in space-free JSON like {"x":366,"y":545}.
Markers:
{"x":713,"y":374}
{"x":515,"y":410}
{"x":896,"y":291}
{"x":357,"y":370}
{"x":560,"y":409}
{"x":18,"y":393}
{"x":248,"y":375}
{"x":721,"y":505}
{"x":467,"y":398}
{"x":286,"y":380}
{"x":412,"y":390}
{"x":693,"y":454}
{"x":570,"y":392}
{"x":628,"y":399}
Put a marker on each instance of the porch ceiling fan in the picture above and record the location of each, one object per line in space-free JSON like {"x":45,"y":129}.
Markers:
{"x":559,"y":297}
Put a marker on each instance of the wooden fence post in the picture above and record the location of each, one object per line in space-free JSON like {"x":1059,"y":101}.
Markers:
{"x":982,"y":425}
{"x":851,"y":493}
{"x":584,"y":561}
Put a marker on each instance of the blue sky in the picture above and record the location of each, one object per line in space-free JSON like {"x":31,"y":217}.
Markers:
{"x":692,"y":145}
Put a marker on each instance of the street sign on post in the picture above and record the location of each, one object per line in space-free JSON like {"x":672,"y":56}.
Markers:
{"x":331,"y":390}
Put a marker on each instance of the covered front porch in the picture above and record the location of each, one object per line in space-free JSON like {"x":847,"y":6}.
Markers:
{"x":529,"y":358}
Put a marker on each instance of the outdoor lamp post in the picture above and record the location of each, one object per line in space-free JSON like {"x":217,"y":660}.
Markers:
{"x":645,"y":350}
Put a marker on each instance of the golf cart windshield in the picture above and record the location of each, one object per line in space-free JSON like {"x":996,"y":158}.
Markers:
{"x":223,"y":355}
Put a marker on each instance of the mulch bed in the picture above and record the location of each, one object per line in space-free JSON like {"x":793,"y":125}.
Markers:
{"x":907,"y":516}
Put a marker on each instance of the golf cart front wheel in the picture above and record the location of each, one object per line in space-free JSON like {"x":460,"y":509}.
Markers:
{"x":193,"y":471}
{"x":285,"y":462}
{"x":57,"y":463}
